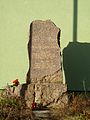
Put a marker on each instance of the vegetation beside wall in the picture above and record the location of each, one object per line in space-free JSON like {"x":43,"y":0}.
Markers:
{"x":77,"y":109}
{"x":14,"y":108}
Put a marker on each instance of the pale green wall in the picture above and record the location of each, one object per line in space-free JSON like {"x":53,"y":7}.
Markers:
{"x":84,"y":21}
{"x":15,"y":17}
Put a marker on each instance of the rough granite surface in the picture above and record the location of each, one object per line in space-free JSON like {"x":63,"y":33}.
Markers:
{"x":43,"y":49}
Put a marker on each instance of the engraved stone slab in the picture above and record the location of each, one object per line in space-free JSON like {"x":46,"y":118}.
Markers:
{"x":43,"y":49}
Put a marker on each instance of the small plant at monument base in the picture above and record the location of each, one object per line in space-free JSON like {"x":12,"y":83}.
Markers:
{"x":77,"y":109}
{"x":14,"y":108}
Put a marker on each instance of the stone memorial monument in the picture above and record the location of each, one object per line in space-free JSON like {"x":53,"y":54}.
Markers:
{"x":44,"y":77}
{"x":44,"y":50}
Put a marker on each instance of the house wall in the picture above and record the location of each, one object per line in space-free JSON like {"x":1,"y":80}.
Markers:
{"x":15,"y":18}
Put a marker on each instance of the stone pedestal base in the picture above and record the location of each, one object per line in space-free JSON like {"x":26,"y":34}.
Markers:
{"x":47,"y":94}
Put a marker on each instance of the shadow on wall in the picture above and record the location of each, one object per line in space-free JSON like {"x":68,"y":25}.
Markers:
{"x":76,"y":63}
